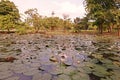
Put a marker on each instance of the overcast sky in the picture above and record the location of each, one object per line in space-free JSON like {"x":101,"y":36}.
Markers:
{"x":74,"y":8}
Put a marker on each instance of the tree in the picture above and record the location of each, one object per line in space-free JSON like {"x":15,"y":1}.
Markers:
{"x":84,"y":23}
{"x":117,"y":16}
{"x":117,"y":20}
{"x":67,"y":22}
{"x":33,"y":18}
{"x":9,"y":15}
{"x":77,"y":26}
{"x":81,"y":23}
{"x":53,"y":23}
{"x":98,"y":10}
{"x":53,"y":13}
{"x":65,"y":16}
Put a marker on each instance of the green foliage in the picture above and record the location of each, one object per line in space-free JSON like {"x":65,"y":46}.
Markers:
{"x":80,"y":24}
{"x":68,"y":24}
{"x":21,"y":28}
{"x":46,"y":23}
{"x":9,"y":15}
{"x":84,"y":23}
{"x":53,"y":23}
{"x":102,"y":12}
{"x":33,"y":18}
{"x":7,"y":22}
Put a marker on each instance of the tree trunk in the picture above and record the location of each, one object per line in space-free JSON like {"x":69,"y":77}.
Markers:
{"x":8,"y":30}
{"x":118,"y":31}
{"x":110,"y":28}
{"x":101,"y":29}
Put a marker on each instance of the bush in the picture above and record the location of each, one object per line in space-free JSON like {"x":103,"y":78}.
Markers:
{"x":21,"y":30}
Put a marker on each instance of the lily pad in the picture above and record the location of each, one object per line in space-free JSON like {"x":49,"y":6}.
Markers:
{"x":19,"y":68}
{"x":81,"y":70}
{"x":94,"y":77}
{"x":68,"y":62}
{"x":100,"y":71}
{"x":70,"y":71}
{"x":53,"y":59}
{"x":87,"y":69}
{"x":57,"y":71}
{"x":115,"y":58}
{"x":111,"y":66}
{"x":115,"y":77}
{"x":5,"y":74}
{"x":37,"y":76}
{"x":107,"y":78}
{"x":3,"y":67}
{"x":31,"y":72}
{"x":106,"y":61}
{"x":46,"y":76}
{"x":35,"y":65}
{"x":98,"y":56}
{"x":63,"y":77}
{"x":80,"y":76}
{"x":13,"y":78}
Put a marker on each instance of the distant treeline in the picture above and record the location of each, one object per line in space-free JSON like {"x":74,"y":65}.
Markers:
{"x":102,"y":15}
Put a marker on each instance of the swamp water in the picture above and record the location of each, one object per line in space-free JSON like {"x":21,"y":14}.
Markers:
{"x":58,"y":57}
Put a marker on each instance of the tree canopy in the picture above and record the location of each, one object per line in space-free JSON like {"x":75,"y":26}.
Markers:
{"x":9,"y":15}
{"x":102,"y":11}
